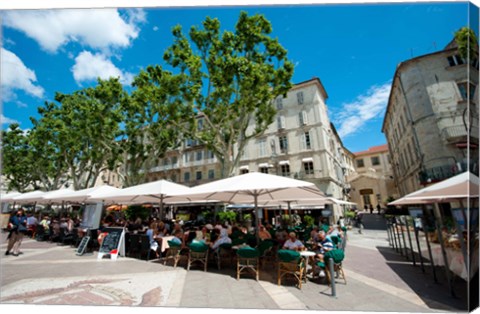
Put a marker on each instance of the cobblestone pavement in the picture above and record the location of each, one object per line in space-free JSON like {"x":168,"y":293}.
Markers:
{"x":378,"y":279}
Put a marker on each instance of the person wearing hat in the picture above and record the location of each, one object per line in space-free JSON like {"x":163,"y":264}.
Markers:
{"x":293,"y":243}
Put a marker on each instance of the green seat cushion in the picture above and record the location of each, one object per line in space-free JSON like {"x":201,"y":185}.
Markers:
{"x":173,"y":244}
{"x":197,"y":246}
{"x":248,"y":252}
{"x":337,"y":255}
{"x":321,"y":264}
{"x":288,"y":255}
{"x":335,"y":239}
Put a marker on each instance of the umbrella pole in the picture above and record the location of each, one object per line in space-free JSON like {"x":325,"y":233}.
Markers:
{"x":161,"y":207}
{"x":257,"y":218}
{"x":289,"y":214}
{"x":410,"y":241}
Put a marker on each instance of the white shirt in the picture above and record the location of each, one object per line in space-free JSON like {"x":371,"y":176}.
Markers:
{"x":293,"y":245}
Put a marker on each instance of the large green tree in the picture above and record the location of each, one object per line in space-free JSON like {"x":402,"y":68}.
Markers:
{"x":84,"y":127}
{"x":147,"y":132}
{"x":228,"y":78}
{"x":18,"y":160}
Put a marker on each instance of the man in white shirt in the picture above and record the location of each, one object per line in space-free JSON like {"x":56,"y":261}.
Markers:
{"x":293,"y":243}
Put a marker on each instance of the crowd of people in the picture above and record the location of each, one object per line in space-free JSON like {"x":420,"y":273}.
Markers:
{"x":296,"y":236}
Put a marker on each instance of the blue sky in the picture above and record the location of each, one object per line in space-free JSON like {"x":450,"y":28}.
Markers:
{"x":353,"y":48}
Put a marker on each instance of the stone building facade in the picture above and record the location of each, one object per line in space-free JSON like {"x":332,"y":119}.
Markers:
{"x":301,"y":143}
{"x":372,"y":183}
{"x":431,"y":122}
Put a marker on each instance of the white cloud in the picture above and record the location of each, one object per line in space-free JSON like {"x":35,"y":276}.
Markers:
{"x":368,"y":106}
{"x":6,"y":120}
{"x":155,"y":28}
{"x":89,"y":67}
{"x":96,"y":28}
{"x":16,"y":76}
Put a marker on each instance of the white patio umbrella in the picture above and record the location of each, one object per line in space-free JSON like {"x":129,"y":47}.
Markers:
{"x":47,"y":197}
{"x":153,"y":192}
{"x":30,"y":197}
{"x":81,"y":196}
{"x":462,"y":186}
{"x":7,"y":198}
{"x":259,"y":187}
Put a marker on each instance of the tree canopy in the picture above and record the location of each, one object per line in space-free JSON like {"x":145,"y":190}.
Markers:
{"x":223,"y":82}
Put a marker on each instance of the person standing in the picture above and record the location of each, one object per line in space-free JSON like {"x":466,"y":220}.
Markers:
{"x":19,"y":229}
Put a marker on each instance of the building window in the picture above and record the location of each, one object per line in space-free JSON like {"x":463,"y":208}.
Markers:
{"x":198,"y":175}
{"x":281,"y":122}
{"x":375,"y":161}
{"x":186,"y":176}
{"x":211,"y":174}
{"x":262,"y":148}
{"x":174,"y":160}
{"x":200,"y":124}
{"x":279,"y":103}
{"x":264,"y":169}
{"x":285,"y":170}
{"x":455,"y":60}
{"x":308,"y":167}
{"x":360,"y":163}
{"x":283,"y":144}
{"x":302,"y":118}
{"x":300,"y":98}
{"x":463,"y":87}
{"x":199,"y":155}
{"x":306,"y":142}
{"x":188,"y":142}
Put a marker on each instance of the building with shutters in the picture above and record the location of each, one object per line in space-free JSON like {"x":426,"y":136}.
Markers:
{"x":302,"y":143}
{"x":431,"y":121}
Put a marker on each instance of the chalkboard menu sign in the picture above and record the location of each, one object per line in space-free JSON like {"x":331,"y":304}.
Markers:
{"x":113,"y":243}
{"x":83,"y":245}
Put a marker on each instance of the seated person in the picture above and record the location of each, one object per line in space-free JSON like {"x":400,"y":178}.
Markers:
{"x":324,"y":244}
{"x":223,"y":238}
{"x":293,"y":243}
{"x":281,"y":236}
{"x":177,"y":236}
{"x":263,"y":234}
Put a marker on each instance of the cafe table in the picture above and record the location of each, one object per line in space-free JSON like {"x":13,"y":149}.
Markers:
{"x":307,"y":256}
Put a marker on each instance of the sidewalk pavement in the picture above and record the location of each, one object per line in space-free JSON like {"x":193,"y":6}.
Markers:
{"x":378,"y":279}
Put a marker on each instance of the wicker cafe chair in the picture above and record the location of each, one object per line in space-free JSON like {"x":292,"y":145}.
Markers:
{"x":173,"y":253}
{"x":290,"y":263}
{"x":248,"y":260}
{"x":338,"y":256}
{"x":198,"y":253}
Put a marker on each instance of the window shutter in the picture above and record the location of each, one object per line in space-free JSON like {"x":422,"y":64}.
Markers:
{"x":305,"y":117}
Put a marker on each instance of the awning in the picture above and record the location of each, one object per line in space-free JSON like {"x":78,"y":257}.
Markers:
{"x":265,"y":165}
{"x":309,"y":159}
{"x":243,"y":168}
{"x":284,"y":162}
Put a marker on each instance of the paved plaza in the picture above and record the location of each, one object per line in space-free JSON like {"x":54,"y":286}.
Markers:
{"x":378,"y":279}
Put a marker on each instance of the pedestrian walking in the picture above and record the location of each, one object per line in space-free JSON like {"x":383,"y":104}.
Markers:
{"x":358,"y":219}
{"x":371,"y":208}
{"x":18,"y":229}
